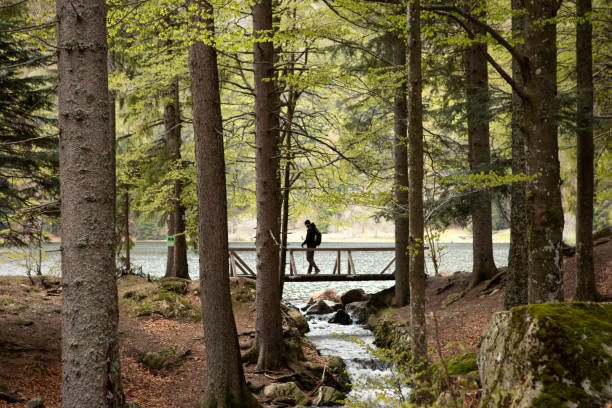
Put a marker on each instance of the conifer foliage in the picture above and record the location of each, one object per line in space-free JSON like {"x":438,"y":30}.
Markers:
{"x":28,"y":146}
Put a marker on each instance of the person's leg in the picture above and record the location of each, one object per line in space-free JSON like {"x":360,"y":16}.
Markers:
{"x":310,"y":259}
{"x":317,"y":270}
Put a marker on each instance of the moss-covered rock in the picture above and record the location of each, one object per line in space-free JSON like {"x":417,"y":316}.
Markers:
{"x":550,"y":355}
{"x":177,"y":285}
{"x":296,"y":319}
{"x":293,"y":346}
{"x":161,"y":360}
{"x":602,"y":233}
{"x":337,"y":366}
{"x":327,"y":396}
{"x":459,"y":369}
{"x":159,"y":301}
{"x":286,"y":390}
{"x":390,"y":334}
{"x":242,"y":290}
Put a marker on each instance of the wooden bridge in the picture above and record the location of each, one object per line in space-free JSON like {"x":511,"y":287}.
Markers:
{"x":238,"y":267}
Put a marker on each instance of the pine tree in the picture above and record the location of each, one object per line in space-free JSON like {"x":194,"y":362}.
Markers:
{"x":28,"y":147}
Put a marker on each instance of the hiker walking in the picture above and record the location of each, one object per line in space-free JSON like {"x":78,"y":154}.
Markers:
{"x":313,"y":240}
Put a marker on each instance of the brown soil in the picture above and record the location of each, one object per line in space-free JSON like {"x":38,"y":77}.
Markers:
{"x":461,"y":323}
{"x":30,"y":330}
{"x":30,"y":322}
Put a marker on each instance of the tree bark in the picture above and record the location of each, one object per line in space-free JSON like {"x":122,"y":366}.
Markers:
{"x":268,"y":341}
{"x":478,"y":116}
{"x":400,"y":141}
{"x":516,"y":277}
{"x":291,"y":102}
{"x":126,"y":202}
{"x":91,"y":375}
{"x":544,"y":190}
{"x":225,"y":386}
{"x":170,"y":256}
{"x":415,"y":140}
{"x":585,"y":273}
{"x":172,"y":127}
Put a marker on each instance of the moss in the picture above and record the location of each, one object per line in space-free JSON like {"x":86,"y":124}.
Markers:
{"x":242,"y":399}
{"x":168,"y":304}
{"x":460,"y":367}
{"x":176,"y":285}
{"x":161,"y":360}
{"x":245,"y":292}
{"x":602,"y":233}
{"x":294,"y":348}
{"x":573,"y":334}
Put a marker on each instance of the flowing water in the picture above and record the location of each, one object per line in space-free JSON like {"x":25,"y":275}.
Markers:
{"x":330,"y":339}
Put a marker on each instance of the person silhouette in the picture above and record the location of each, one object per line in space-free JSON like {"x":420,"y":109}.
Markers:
{"x":313,"y":239}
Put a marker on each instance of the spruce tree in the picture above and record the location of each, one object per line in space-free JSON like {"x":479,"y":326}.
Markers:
{"x":28,"y":146}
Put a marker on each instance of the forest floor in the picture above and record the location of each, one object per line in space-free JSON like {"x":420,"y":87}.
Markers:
{"x":30,"y":332}
{"x":461,"y":323}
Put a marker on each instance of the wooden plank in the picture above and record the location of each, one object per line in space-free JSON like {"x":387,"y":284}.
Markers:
{"x":340,"y":278}
{"x":352,"y":269}
{"x":388,"y":265}
{"x":244,"y":264}
{"x":326,"y":249}
{"x":339,"y":262}
{"x":292,"y":269}
{"x":232,"y":265}
{"x":335,"y":265}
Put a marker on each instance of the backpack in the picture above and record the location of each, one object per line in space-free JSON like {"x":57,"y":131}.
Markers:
{"x":317,"y":237}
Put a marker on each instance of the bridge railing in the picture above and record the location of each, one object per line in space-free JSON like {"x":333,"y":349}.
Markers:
{"x":238,"y":267}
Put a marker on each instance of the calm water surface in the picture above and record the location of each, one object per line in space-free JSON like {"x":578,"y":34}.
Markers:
{"x":151,"y":256}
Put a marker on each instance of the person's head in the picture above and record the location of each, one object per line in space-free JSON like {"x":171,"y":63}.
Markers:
{"x":307,"y":223}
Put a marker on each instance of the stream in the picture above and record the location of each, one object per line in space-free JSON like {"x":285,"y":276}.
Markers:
{"x":367,"y":373}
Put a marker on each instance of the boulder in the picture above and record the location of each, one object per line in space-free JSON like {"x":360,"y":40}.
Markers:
{"x":337,"y":366}
{"x":337,"y":306}
{"x":327,"y":396}
{"x":321,"y":307}
{"x":350,"y":296}
{"x":298,"y":320}
{"x":35,"y":403}
{"x":286,"y":390}
{"x":176,"y":285}
{"x":360,"y":311}
{"x":341,"y":317}
{"x":325,"y":294}
{"x":603,"y":233}
{"x":549,"y":355}
{"x":383,"y":299}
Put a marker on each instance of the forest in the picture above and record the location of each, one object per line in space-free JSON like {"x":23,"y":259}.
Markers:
{"x":204,"y":122}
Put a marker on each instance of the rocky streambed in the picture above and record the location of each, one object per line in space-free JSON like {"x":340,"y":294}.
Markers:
{"x":338,"y":330}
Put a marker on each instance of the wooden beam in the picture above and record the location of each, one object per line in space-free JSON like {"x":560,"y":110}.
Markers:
{"x":388,"y":265}
{"x":352,"y":270}
{"x":340,"y":278}
{"x":292,"y":268}
{"x":243,"y":264}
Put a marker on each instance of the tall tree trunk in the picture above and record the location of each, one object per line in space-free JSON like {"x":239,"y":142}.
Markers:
{"x":478,"y":116}
{"x":585,"y":273}
{"x":268,"y":341}
{"x":291,"y":102}
{"x":126,"y":203}
{"x":400,"y":141}
{"x":172,"y":125}
{"x":415,"y":140}
{"x":170,"y":256}
{"x":112,"y":128}
{"x":225,"y":386}
{"x":544,"y":190}
{"x":91,"y":375}
{"x":516,"y":278}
